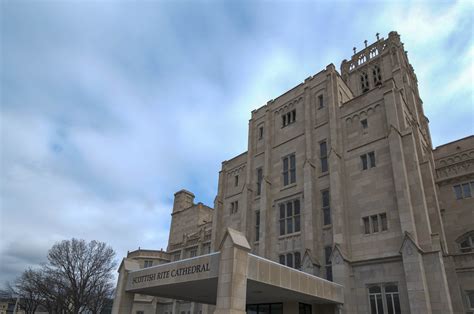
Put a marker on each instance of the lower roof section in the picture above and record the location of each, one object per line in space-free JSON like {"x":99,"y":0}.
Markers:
{"x":196,"y":279}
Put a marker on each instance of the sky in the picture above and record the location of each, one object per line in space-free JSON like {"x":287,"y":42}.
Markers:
{"x":107,"y":108}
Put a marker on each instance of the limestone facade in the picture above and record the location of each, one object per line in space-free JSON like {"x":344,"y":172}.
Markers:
{"x":340,"y":180}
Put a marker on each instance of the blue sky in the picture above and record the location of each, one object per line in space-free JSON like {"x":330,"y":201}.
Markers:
{"x":108,"y":108}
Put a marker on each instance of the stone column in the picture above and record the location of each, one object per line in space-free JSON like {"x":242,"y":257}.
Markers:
{"x":123,"y":301}
{"x":417,"y":288}
{"x":233,"y":267}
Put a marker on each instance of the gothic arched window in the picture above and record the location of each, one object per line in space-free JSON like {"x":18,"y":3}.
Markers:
{"x":373,"y":52}
{"x":377,"y":75}
{"x":364,"y":82}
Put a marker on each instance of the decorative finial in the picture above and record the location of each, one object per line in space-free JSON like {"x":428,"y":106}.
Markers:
{"x":354,"y":50}
{"x":365,"y":42}
{"x":377,"y":35}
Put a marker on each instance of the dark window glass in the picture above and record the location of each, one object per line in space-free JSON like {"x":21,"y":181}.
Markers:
{"x":282,"y":211}
{"x":297,"y":260}
{"x":363,"y":158}
{"x":259,"y":180}
{"x":375,"y":223}
{"x":458,"y":192}
{"x":289,"y":225}
{"x":396,"y":303}
{"x":326,"y":208}
{"x":236,"y":180}
{"x":323,"y":156}
{"x":282,"y":227}
{"x":282,"y":259}
{"x":321,"y":101}
{"x":297,"y":223}
{"x":285,"y":171}
{"x":276,"y":308}
{"x":466,"y":190}
{"x":263,"y":308}
{"x":327,"y":254}
{"x":375,"y":289}
{"x":372,"y":159}
{"x":252,"y":309}
{"x":257,"y":225}
{"x":379,"y":304}
{"x":325,"y":198}
{"x":289,"y":209}
{"x":289,"y":260}
{"x":292,"y":169}
{"x":364,"y":123}
{"x":366,"y":225}
{"x":329,"y":273}
{"x":260,"y":132}
{"x":383,"y":221}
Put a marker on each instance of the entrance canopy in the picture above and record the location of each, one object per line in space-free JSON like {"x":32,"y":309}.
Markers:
{"x":196,"y":279}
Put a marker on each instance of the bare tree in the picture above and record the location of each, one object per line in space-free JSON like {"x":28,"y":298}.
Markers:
{"x":78,"y":278}
{"x":24,"y":289}
{"x":85,"y":268}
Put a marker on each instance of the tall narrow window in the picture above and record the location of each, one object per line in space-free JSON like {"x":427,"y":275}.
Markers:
{"x":368,"y":160}
{"x":383,"y":222}
{"x":470,"y":300}
{"x":389,"y":292}
{"x":371,"y":159}
{"x":375,"y":298}
{"x":375,"y":223}
{"x":289,"y":260}
{"x":323,"y":150}
{"x":377,"y":76}
{"x":236,"y":180}
{"x":259,"y":180}
{"x":327,"y":258}
{"x":257,"y":225}
{"x":363,"y":158}
{"x":321,"y":101}
{"x":297,"y":260}
{"x":293,"y":169}
{"x":289,"y":169}
{"x":326,"y":207}
{"x":364,"y":82}
{"x":364,"y":124}
{"x":288,"y":118}
{"x":260,"y":132}
{"x":289,"y":217}
{"x":234,"y":207}
{"x":366,"y":225}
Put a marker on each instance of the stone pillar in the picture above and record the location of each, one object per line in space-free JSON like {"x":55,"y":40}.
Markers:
{"x":175,"y":307}
{"x":123,"y":301}
{"x":233,"y":266}
{"x":417,"y":288}
{"x":342,"y":274}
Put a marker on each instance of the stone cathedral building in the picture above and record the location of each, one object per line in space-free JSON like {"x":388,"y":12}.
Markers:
{"x":339,"y":205}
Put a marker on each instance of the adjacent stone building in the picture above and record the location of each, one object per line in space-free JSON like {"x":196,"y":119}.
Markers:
{"x":340,"y":181}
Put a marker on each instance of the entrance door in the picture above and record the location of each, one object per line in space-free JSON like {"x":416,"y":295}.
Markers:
{"x":268,"y":308}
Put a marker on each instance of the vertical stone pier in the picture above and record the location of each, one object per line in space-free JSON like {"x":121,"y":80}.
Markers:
{"x":123,"y":301}
{"x":233,"y":265}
